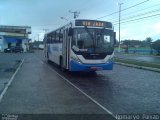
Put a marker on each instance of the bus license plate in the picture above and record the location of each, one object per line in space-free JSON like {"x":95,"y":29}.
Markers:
{"x":96,"y":68}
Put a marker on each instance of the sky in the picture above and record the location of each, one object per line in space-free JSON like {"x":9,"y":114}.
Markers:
{"x":139,"y":18}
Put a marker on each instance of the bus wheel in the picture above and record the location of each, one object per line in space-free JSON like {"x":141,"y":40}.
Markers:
{"x":48,"y":57}
{"x":61,"y":65}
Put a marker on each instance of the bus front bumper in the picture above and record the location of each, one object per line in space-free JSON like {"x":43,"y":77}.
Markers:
{"x":75,"y":66}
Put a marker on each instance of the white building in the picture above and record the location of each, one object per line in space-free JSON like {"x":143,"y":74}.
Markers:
{"x":14,"y":36}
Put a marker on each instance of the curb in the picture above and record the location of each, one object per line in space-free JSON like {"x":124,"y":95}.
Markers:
{"x":139,"y":67}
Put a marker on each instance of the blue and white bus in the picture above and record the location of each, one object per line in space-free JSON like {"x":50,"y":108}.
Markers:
{"x":81,"y":45}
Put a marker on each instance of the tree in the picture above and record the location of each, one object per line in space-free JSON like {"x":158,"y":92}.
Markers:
{"x":156,"y":45}
{"x":130,"y":43}
{"x":148,"y":42}
{"x":125,"y":44}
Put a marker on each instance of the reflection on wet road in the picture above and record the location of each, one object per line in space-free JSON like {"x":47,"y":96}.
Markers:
{"x":123,"y":90}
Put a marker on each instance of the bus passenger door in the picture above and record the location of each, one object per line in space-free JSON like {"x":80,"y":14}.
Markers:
{"x":65,"y":49}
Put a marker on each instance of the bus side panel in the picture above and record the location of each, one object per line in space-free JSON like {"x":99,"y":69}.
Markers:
{"x":54,"y":51}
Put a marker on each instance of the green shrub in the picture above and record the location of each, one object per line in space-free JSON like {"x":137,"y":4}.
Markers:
{"x":156,"y":45}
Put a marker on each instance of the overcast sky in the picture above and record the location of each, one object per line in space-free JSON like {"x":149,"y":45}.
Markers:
{"x":45,"y":14}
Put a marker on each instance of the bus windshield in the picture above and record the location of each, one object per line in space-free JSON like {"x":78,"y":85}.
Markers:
{"x":92,"y":40}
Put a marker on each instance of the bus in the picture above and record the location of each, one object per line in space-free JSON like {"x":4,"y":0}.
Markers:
{"x":81,"y":45}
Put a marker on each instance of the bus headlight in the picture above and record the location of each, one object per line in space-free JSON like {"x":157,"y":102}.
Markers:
{"x":75,"y":58}
{"x":112,"y":57}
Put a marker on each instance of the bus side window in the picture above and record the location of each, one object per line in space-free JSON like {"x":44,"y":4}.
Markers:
{"x":59,"y":32}
{"x":52,"y":39}
{"x":61,"y":35}
{"x":57,"y":36}
{"x":54,"y":34}
{"x":47,"y":40}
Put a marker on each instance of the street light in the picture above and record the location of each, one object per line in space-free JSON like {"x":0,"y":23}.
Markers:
{"x":120,"y":25}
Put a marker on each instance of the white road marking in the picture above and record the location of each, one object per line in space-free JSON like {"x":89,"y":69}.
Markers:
{"x":101,"y":106}
{"x":10,"y":81}
{"x":41,"y":62}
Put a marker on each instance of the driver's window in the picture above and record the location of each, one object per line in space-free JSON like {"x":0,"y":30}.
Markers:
{"x":80,"y":41}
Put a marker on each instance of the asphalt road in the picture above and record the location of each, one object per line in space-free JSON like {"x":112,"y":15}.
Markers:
{"x":8,"y":65}
{"x":145,"y":58}
{"x":40,"y":87}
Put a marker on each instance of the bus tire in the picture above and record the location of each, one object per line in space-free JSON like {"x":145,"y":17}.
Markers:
{"x":61,"y":64}
{"x":48,"y":58}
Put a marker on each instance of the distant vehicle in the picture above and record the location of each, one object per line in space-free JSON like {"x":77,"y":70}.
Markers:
{"x":7,"y":50}
{"x":81,"y":45}
{"x":41,"y":46}
{"x":35,"y":47}
{"x":14,"y":49}
{"x":17,"y":49}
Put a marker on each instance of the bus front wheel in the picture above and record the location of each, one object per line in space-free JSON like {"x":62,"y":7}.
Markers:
{"x":48,"y":57}
{"x":61,"y":65}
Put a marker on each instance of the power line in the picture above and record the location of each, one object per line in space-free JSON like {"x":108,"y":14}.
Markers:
{"x":139,"y":18}
{"x":142,"y":14}
{"x":124,"y":9}
{"x":140,"y":10}
{"x":155,"y":17}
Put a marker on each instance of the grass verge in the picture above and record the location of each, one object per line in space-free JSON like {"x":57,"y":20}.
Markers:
{"x":139,"y":63}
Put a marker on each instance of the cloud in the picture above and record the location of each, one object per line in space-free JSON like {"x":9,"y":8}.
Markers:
{"x":156,"y":28}
{"x":140,"y":31}
{"x":124,"y":34}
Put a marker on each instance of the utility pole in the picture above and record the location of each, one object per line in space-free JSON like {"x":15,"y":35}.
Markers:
{"x":38,"y":37}
{"x":75,"y":13}
{"x":34,"y":38}
{"x":120,"y":26}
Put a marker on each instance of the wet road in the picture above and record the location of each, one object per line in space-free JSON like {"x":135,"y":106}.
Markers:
{"x":145,"y":58}
{"x":123,"y":90}
{"x":8,"y":65}
{"x":40,"y":87}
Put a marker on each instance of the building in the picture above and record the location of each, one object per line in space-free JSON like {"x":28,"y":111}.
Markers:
{"x":14,"y":36}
